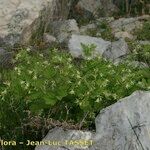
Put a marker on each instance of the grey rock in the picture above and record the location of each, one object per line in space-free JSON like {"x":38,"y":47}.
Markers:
{"x":124,"y":125}
{"x":5,"y":58}
{"x":49,"y":39}
{"x":62,"y":30}
{"x":123,"y":35}
{"x":117,"y":50}
{"x":85,"y":29}
{"x":138,"y":64}
{"x":20,"y":19}
{"x":144,"y":42}
{"x":105,"y":19}
{"x":61,"y":140}
{"x":75,"y":47}
{"x":107,"y":49}
{"x":128,"y":24}
{"x":125,"y":24}
{"x":96,"y":7}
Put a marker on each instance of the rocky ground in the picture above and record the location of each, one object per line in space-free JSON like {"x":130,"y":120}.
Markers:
{"x":67,"y":24}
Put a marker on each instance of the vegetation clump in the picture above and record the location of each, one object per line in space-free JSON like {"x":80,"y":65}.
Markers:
{"x":56,"y":87}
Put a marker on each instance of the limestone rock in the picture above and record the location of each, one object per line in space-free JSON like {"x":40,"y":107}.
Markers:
{"x":117,"y":50}
{"x":144,"y":42}
{"x":124,"y":125}
{"x":63,"y":29}
{"x":123,"y":35}
{"x":49,"y":39}
{"x":75,"y":47}
{"x":63,"y":139}
{"x":96,"y":7}
{"x":128,"y":24}
{"x":107,"y":49}
{"x":20,"y":19}
{"x":84,"y":30}
{"x":5,"y":58}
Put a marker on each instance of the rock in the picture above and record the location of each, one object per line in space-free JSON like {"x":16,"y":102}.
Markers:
{"x":96,"y":7}
{"x":138,"y":64}
{"x":49,"y":39}
{"x":63,"y":29}
{"x":5,"y":58}
{"x":109,"y":50}
{"x":128,"y":24}
{"x":144,"y":42}
{"x":75,"y":47}
{"x":123,"y":35}
{"x":125,"y":24}
{"x":117,"y":50}
{"x":124,"y":125}
{"x":64,"y":139}
{"x":20,"y":19}
{"x":105,"y":19}
{"x":89,"y":27}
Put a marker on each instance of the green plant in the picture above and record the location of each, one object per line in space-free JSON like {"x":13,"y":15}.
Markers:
{"x":102,"y":30}
{"x":88,"y":50}
{"x":143,"y":34}
{"x":140,"y":52}
{"x":54,"y":86}
{"x":105,"y":30}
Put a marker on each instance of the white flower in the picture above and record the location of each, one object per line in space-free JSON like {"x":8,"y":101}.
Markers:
{"x":18,"y":56}
{"x":7,"y":83}
{"x":41,"y":55}
{"x":22,"y":82}
{"x":27,"y":85}
{"x":30,"y":72}
{"x":97,"y":100}
{"x":35,"y":77}
{"x":19,"y":72}
{"x":79,"y":83}
{"x":127,"y":86}
{"x":72,"y":92}
{"x":45,"y":62}
{"x":4,"y":92}
{"x":28,"y":49}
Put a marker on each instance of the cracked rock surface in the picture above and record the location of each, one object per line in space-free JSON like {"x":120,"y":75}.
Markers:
{"x":19,"y":19}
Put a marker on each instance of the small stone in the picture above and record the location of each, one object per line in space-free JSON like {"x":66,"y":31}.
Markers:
{"x":123,"y":35}
{"x":49,"y":39}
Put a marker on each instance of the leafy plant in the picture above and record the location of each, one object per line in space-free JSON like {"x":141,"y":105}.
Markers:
{"x":143,"y":34}
{"x":55,"y":86}
{"x":88,"y":50}
{"x":140,"y":52}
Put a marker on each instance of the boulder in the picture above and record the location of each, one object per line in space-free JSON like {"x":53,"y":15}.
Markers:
{"x":62,"y":30}
{"x":128,"y":24}
{"x":107,"y":49}
{"x":138,"y":64}
{"x":76,"y":49}
{"x":20,"y":19}
{"x":96,"y":7}
{"x":117,"y":50}
{"x":123,"y":35}
{"x":124,"y":125}
{"x":84,"y":30}
{"x":48,"y":39}
{"x":5,"y":58}
{"x":144,"y":42}
{"x":60,"y":139}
